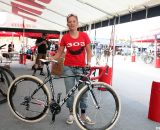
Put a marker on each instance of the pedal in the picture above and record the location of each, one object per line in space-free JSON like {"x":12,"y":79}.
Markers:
{"x":53,"y":117}
{"x":59,"y":97}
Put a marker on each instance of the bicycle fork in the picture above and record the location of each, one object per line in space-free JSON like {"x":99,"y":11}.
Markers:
{"x":93,"y":97}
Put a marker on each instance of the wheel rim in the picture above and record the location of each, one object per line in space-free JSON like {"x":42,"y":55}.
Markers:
{"x":38,"y":105}
{"x":106,"y":116}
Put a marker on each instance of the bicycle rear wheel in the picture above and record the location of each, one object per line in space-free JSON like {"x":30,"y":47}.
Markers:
{"x":22,"y":105}
{"x":106,"y":116}
{"x":4,"y":84}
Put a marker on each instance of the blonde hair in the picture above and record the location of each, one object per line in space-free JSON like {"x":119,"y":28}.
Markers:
{"x":72,"y":15}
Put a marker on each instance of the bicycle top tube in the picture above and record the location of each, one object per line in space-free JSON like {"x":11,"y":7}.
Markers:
{"x":88,"y":74}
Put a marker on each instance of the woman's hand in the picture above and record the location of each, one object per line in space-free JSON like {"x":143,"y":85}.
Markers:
{"x":88,"y":64}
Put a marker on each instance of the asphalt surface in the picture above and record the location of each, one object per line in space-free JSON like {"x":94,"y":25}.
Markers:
{"x":131,"y":80}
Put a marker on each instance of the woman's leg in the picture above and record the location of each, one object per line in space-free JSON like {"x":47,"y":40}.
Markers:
{"x":69,"y":83}
{"x":36,"y":65}
{"x":43,"y":56}
{"x":83,"y":102}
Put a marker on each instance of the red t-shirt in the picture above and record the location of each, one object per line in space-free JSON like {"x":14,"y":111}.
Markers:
{"x":75,"y":49}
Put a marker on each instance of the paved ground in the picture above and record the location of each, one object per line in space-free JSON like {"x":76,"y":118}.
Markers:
{"x":132,"y":81}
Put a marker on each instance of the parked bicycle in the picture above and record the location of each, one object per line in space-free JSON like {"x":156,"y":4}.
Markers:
{"x":29,"y":99}
{"x":6,"y":77}
{"x":4,"y":83}
{"x":148,"y":58}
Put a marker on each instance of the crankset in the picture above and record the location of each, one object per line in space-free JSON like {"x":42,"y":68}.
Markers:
{"x":55,"y":109}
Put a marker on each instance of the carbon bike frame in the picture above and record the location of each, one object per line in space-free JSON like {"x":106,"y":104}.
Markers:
{"x":49,"y":78}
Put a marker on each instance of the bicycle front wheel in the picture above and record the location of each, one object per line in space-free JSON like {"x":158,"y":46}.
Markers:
{"x":28,"y":99}
{"x":105,"y":115}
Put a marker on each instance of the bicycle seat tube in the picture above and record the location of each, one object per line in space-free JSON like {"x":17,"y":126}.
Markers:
{"x":49,"y":78}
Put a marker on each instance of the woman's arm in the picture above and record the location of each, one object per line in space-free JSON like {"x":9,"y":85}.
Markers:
{"x":59,"y":53}
{"x":89,"y":54}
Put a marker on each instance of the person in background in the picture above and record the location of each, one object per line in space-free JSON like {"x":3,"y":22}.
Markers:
{"x":42,"y":47}
{"x":49,"y":43}
{"x":78,"y":52}
{"x":11,"y":47}
{"x":53,"y":48}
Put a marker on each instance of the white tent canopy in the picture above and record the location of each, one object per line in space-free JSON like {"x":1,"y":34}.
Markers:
{"x":51,"y":14}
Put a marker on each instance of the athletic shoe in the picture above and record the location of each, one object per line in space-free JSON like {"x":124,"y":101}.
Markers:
{"x":70,"y":120}
{"x":88,"y":121}
{"x":41,"y":73}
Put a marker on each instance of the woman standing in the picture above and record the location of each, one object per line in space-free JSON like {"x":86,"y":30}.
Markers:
{"x":78,"y":52}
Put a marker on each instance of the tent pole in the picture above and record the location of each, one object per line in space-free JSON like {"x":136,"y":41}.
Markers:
{"x":23,"y":33}
{"x":112,"y":44}
{"x":89,"y":30}
{"x":155,"y":51}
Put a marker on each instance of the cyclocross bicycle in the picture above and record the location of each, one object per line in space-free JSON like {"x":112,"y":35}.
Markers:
{"x":30,"y":99}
